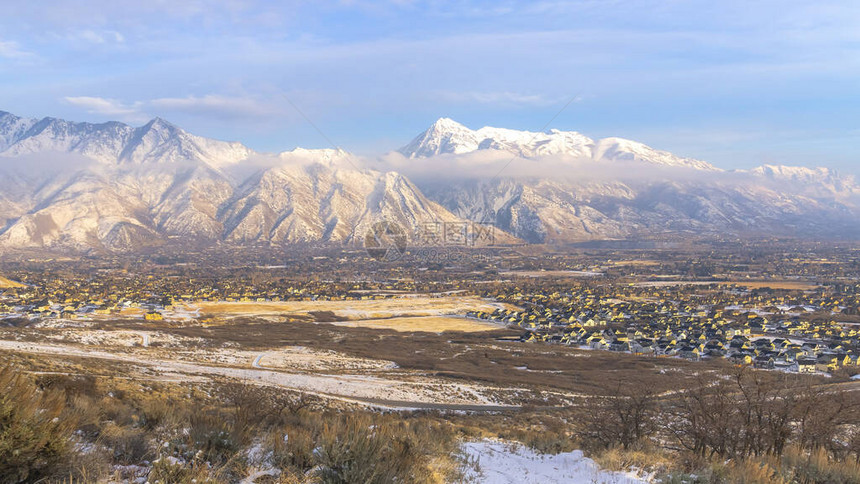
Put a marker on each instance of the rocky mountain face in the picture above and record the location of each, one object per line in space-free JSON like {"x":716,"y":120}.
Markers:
{"x":616,"y":188}
{"x":112,"y":186}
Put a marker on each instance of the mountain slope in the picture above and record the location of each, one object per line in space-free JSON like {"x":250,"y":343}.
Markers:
{"x":616,"y":188}
{"x":112,"y":186}
{"x":317,"y":202}
{"x":542,"y":210}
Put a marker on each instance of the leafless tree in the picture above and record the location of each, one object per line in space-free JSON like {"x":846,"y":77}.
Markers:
{"x":624,"y":417}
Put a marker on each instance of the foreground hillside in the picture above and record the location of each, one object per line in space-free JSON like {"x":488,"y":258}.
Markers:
{"x":722,"y":365}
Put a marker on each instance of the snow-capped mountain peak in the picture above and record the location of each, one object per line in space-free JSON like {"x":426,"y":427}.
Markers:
{"x":447,"y":124}
{"x":620,"y":149}
{"x":323,"y":155}
{"x":446,"y":136}
{"x":162,"y":127}
{"x":115,"y":186}
{"x":134,"y":186}
{"x":12,"y":128}
{"x":442,"y":137}
{"x":528,"y":144}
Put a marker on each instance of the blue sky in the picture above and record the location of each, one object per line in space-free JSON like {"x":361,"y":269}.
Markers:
{"x":737,"y":83}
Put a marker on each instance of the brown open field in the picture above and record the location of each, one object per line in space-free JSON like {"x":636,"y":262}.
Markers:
{"x":674,"y":283}
{"x":791,"y":285}
{"x":463,"y":356}
{"x":641,"y":263}
{"x":353,"y":310}
{"x":8,"y":283}
{"x":408,"y":369}
{"x":433,"y":324}
{"x":132,"y":312}
{"x":551,"y":273}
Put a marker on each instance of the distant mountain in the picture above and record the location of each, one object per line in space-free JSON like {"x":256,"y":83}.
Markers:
{"x":617,"y":188}
{"x":112,"y":186}
{"x":446,"y":136}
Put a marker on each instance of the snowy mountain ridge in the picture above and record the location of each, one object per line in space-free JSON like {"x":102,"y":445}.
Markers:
{"x":567,"y":203}
{"x":113,"y":142}
{"x":447,"y":136}
{"x":112,"y":186}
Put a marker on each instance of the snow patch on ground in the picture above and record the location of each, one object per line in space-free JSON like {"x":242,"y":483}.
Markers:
{"x":494,"y":462}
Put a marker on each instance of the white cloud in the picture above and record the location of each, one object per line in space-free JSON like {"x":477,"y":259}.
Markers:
{"x":108,"y":107}
{"x":215,"y":105}
{"x":102,"y":37}
{"x":499,"y":98}
{"x":11,"y":50}
{"x":211,"y":105}
{"x":492,"y":164}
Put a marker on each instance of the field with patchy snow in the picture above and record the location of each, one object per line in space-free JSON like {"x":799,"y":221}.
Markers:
{"x":496,"y":462}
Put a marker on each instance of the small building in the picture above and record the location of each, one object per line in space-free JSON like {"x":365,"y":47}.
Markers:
{"x":153,"y":316}
{"x":806,"y":365}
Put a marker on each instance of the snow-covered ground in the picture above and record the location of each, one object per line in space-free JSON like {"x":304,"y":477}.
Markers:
{"x":495,"y":462}
{"x":401,"y":392}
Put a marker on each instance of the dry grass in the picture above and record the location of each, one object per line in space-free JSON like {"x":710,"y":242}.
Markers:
{"x":351,"y":310}
{"x":132,"y":312}
{"x":642,"y":458}
{"x":675,"y":283}
{"x":562,"y":274}
{"x":464,"y":356}
{"x":219,"y":432}
{"x":790,"y":285}
{"x":433,"y":324}
{"x":8,"y":283}
{"x":210,"y":426}
{"x":638,"y":263}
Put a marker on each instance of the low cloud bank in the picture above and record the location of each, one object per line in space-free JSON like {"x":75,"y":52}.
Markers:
{"x":494,"y":165}
{"x":490,"y":164}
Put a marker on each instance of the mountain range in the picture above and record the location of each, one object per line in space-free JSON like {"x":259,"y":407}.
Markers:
{"x":110,"y":186}
{"x":571,"y":187}
{"x":447,"y":136}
